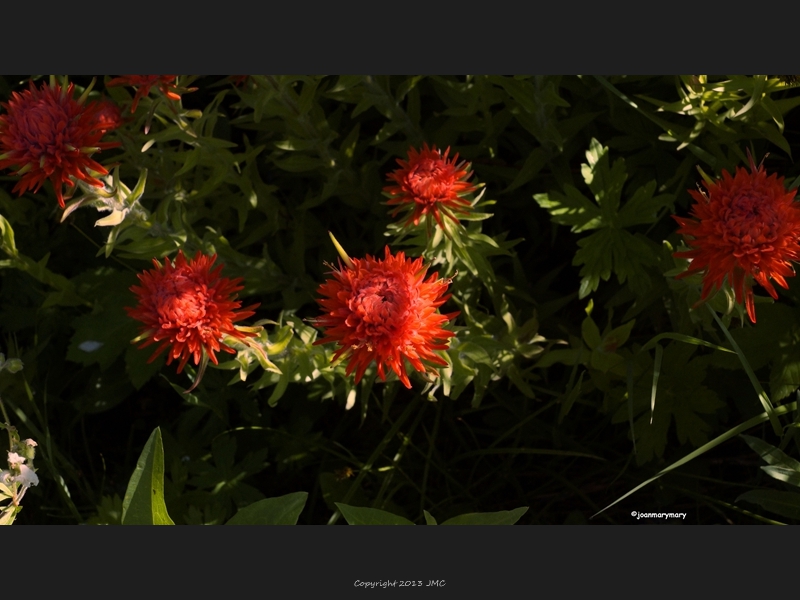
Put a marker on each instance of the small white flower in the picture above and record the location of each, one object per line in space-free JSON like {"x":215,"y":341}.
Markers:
{"x":31,"y":443}
{"x":15,"y":459}
{"x":26,"y":477}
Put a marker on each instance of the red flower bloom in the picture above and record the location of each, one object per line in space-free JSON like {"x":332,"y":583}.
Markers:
{"x":746,"y":227}
{"x":430,"y":184}
{"x":382,"y":310}
{"x":143,"y":84}
{"x":188,"y":306}
{"x":46,"y":134}
{"x":109,"y":117}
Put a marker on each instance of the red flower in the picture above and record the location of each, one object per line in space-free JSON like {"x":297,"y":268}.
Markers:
{"x":746,"y":227}
{"x":109,"y":117}
{"x":143,"y":84}
{"x":188,"y":306}
{"x":46,"y":134}
{"x":383,"y":310}
{"x":430,"y":184}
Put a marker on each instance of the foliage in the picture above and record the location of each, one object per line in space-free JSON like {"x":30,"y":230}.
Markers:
{"x":580,"y":370}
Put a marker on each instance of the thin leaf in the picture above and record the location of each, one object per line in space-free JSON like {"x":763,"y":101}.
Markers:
{"x":656,"y":374}
{"x":684,"y":338}
{"x":762,"y":395}
{"x":770,"y":454}
{"x":781,"y":410}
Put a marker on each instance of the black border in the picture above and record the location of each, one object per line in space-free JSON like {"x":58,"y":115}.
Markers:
{"x":398,"y":38}
{"x":494,"y":562}
{"x":447,"y":38}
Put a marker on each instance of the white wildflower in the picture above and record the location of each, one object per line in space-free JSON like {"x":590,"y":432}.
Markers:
{"x":26,"y":477}
{"x":15,"y":459}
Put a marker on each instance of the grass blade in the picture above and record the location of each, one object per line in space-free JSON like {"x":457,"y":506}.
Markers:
{"x":781,"y":410}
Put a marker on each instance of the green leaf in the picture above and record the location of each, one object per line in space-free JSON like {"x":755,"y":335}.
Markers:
{"x":771,"y":454}
{"x":429,"y":520}
{"x":733,"y":432}
{"x":590,"y":333}
{"x":762,"y":395}
{"x":684,"y":338}
{"x":643,"y":208}
{"x":355,"y":515}
{"x":536,"y":160}
{"x":139,"y":370}
{"x":780,"y":466}
{"x":612,"y":249}
{"x":786,"y":504}
{"x":572,"y":209}
{"x":503,"y":517}
{"x":105,"y":333}
{"x":7,"y":243}
{"x":789,"y":476}
{"x":144,"y":499}
{"x":606,"y":183}
{"x":681,"y":398}
{"x":284,"y":510}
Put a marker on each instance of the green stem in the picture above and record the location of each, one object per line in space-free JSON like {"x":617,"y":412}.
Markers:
{"x":769,"y":409}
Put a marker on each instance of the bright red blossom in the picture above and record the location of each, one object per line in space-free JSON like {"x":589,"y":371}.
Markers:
{"x":746,"y":227}
{"x":144,"y":83}
{"x":384,"y":310}
{"x":46,"y":134}
{"x":429,"y":184}
{"x":189,"y":307}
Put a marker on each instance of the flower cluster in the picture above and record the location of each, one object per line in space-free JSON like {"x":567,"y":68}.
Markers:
{"x":144,"y":83}
{"x":385,"y":310}
{"x":46,"y":134}
{"x":188,"y":308}
{"x":430,"y":185}
{"x":745,"y":227}
{"x":19,"y":476}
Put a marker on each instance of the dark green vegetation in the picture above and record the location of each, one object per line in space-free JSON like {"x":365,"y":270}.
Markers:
{"x":560,"y":290}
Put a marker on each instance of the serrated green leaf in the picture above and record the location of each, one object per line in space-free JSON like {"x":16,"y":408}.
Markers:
{"x":284,"y":510}
{"x":606,"y":183}
{"x":618,"y":251}
{"x":573,"y":209}
{"x":643,"y":208}
{"x":358,"y":515}
{"x":144,"y":499}
{"x":503,"y":517}
{"x":429,"y":520}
